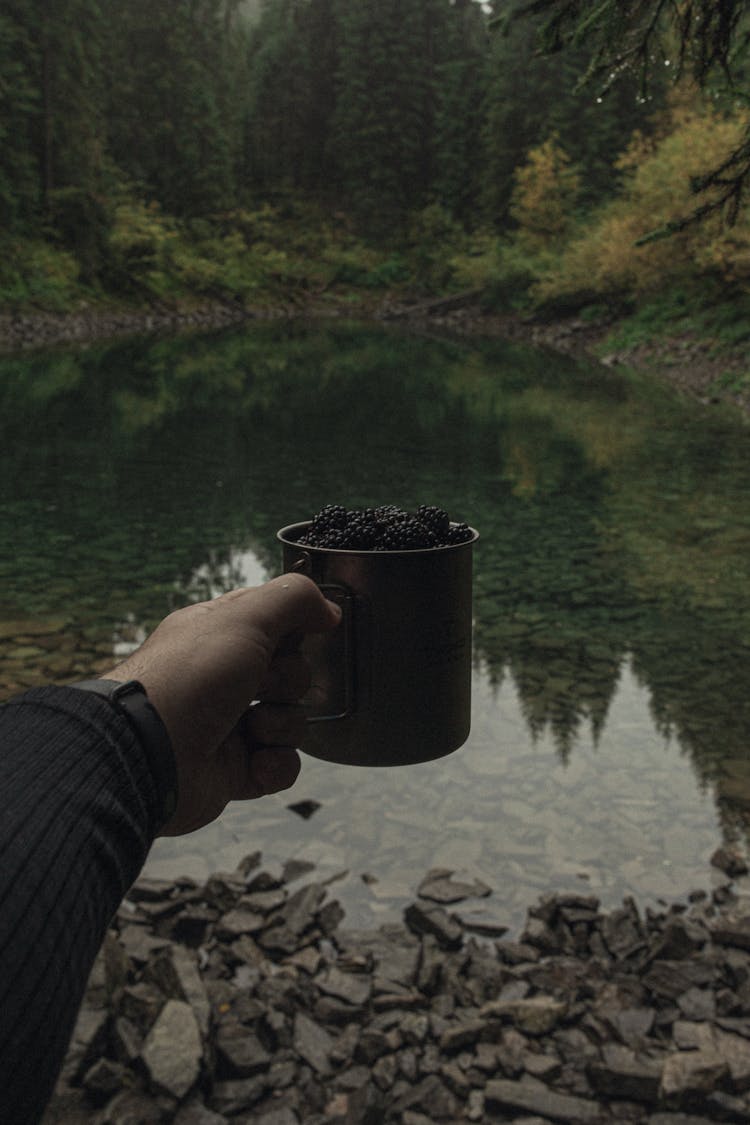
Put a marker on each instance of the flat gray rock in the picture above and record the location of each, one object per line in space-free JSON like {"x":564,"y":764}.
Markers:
{"x":172,"y":1051}
{"x":175,"y":970}
{"x":240,"y":1052}
{"x":443,"y":888}
{"x":237,"y":1095}
{"x":353,"y":988}
{"x":732,"y":929}
{"x":140,"y":944}
{"x":312,"y":1043}
{"x":282,"y":1116}
{"x":689,"y":1074}
{"x":196,"y":1113}
{"x":534,"y":1015}
{"x":622,"y":1073}
{"x":434,"y":920}
{"x":299,"y":911}
{"x":239,"y":921}
{"x":534,"y":1097}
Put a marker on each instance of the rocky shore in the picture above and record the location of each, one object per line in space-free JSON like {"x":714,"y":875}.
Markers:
{"x":26,"y":331}
{"x":247,"y":999}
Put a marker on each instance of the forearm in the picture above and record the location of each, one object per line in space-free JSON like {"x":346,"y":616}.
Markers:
{"x":80,"y":808}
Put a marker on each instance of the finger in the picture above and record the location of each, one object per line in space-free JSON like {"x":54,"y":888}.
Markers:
{"x":285,"y":605}
{"x":276,"y":724}
{"x":261,"y":769}
{"x":291,"y":642}
{"x":272,"y":770}
{"x":287,"y":679}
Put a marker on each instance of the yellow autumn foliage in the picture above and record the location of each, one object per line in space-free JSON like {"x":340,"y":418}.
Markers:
{"x":544,"y":198}
{"x":602,"y":256}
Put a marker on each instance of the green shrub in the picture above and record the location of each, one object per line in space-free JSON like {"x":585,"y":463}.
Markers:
{"x":433,"y":239}
{"x":475,"y":261}
{"x":510,"y":278}
{"x":359,"y":267}
{"x":140,"y":242}
{"x":35,"y":273}
{"x":605,"y":251}
{"x":736,"y":382}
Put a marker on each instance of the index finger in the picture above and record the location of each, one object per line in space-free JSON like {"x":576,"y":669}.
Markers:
{"x":289,"y":604}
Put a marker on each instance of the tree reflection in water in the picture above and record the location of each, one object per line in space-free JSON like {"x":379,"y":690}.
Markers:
{"x":614,"y":516}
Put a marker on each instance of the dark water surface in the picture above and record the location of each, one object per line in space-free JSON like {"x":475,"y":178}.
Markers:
{"x":610,"y":748}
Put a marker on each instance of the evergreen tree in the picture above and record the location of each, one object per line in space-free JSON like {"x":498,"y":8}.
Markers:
{"x":460,"y":79}
{"x":292,"y":64}
{"x":174,"y":122}
{"x":72,"y":125}
{"x":52,"y":160}
{"x":704,"y":36}
{"x":595,"y":127}
{"x":321,"y":33}
{"x":530,"y":96}
{"x":20,"y":97}
{"x":380,"y":107}
{"x":385,"y":106}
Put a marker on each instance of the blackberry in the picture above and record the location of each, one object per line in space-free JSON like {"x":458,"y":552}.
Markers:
{"x":332,"y":515}
{"x":389,"y":539}
{"x":436,"y":519}
{"x":386,"y":528}
{"x":387,"y":513}
{"x":459,"y":533}
{"x":361,"y":531}
{"x":334,"y":538}
{"x":412,"y":535}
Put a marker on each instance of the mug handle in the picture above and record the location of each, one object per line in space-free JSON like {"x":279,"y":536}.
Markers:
{"x":345,"y":600}
{"x":345,"y":632}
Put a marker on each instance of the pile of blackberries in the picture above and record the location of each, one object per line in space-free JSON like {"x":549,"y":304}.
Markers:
{"x":387,"y":528}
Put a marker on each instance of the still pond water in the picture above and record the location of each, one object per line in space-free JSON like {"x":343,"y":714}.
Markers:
{"x":610,"y":746}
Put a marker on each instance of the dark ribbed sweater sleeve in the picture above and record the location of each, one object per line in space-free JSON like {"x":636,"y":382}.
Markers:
{"x":79,"y":808}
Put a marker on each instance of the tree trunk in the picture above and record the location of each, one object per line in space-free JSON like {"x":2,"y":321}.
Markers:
{"x":48,"y":175}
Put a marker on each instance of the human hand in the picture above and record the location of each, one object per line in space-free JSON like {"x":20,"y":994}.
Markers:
{"x":202,"y":667}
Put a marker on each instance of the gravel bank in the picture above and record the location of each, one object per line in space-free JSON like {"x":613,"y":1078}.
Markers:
{"x":247,"y":999}
{"x":27,"y":331}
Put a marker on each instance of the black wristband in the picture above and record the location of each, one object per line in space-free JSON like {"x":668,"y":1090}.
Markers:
{"x":130,"y":698}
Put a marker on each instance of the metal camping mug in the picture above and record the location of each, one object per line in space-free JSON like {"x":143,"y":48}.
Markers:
{"x":391,"y":685}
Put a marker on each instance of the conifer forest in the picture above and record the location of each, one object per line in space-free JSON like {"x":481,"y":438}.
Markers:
{"x":265,"y":150}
